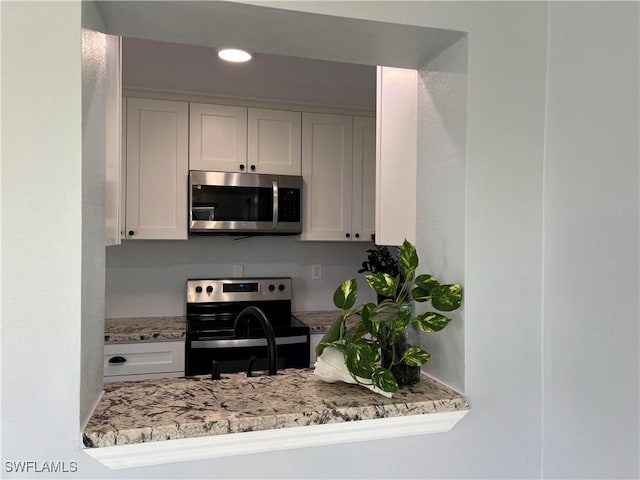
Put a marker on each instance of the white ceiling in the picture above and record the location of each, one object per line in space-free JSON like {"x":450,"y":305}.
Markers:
{"x":297,"y":36}
{"x":191,"y":68}
{"x":277,"y":31}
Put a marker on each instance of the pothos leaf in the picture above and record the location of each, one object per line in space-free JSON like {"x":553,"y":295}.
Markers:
{"x":382,"y":283}
{"x":415,"y":357}
{"x":432,"y":322}
{"x":346,"y":294}
{"x":400,"y":323}
{"x":424,"y":285}
{"x":359,"y":330}
{"x":408,"y":259}
{"x":446,"y":297}
{"x":361,"y":357}
{"x":426,"y":282}
{"x":385,"y":312}
{"x":384,"y":380}
{"x":366,"y":316}
{"x":332,"y":335}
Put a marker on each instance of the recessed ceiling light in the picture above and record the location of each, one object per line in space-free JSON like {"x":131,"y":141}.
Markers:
{"x":234,"y":55}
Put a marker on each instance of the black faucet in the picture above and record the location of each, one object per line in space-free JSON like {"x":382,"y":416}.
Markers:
{"x":268,"y":331}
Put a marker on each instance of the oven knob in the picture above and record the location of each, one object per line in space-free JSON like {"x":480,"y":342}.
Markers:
{"x":272,"y":287}
{"x":209,"y":289}
{"x":281,"y":287}
{"x":198,"y":289}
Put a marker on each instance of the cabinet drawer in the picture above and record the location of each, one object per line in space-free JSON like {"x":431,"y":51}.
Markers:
{"x":143,"y":358}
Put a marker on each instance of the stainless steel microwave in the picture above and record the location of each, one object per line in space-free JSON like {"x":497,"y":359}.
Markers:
{"x":244,"y":203}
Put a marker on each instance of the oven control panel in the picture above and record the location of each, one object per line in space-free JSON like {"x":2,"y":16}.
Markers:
{"x":238,"y":289}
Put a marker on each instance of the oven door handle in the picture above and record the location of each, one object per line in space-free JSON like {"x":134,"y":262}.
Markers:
{"x":247,"y":342}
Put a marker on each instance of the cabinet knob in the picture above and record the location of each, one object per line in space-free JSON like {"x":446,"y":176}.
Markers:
{"x":348,"y":235}
{"x":117,"y":359}
{"x":253,"y":168}
{"x":131,"y":232}
{"x":242,"y":166}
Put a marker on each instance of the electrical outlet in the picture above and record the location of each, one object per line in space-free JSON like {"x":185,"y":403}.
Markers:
{"x":316,"y":271}
{"x":238,"y":270}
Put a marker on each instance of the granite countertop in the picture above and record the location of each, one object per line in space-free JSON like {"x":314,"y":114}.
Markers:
{"x":145,"y":329}
{"x":165,"y":409}
{"x":318,"y":321}
{"x":120,"y":330}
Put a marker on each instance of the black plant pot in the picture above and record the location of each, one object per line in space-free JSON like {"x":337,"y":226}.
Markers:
{"x":404,"y":374}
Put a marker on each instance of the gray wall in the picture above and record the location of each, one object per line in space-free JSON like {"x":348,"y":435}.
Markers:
{"x":591,"y":327}
{"x":510,"y":359}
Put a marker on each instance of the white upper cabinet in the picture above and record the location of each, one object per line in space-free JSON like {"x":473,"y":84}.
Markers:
{"x":273,"y":144}
{"x":327,"y":168}
{"x":339,"y":170}
{"x":396,"y":130}
{"x":217,"y":138}
{"x":247,"y":140}
{"x":157,"y":169}
{"x":363,"y":206}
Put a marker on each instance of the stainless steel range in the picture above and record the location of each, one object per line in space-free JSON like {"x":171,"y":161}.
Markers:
{"x":229,"y":322}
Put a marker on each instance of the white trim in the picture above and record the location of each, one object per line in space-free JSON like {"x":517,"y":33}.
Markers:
{"x":201,"y":448}
{"x":273,"y":104}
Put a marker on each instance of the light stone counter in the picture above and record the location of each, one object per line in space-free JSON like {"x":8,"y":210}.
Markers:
{"x":164,"y":409}
{"x":144,"y":329}
{"x":137,"y":329}
{"x":318,"y":321}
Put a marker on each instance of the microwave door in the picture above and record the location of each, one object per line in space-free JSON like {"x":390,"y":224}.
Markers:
{"x":231,"y":203}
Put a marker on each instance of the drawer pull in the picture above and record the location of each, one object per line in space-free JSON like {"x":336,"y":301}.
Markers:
{"x":117,"y":359}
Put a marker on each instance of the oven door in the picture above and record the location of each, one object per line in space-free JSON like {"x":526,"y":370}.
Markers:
{"x":233,"y":354}
{"x":230,"y":202}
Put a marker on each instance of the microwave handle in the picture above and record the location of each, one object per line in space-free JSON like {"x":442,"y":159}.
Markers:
{"x":275,"y":204}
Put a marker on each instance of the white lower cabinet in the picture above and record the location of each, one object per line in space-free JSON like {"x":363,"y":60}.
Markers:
{"x":139,"y":361}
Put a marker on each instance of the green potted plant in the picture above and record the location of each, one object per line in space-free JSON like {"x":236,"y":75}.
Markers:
{"x":382,"y":259}
{"x":375,"y":349}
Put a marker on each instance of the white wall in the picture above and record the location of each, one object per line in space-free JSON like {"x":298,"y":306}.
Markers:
{"x":591,"y":241}
{"x":440,"y":225}
{"x":94,"y":48}
{"x":41,"y":231}
{"x":502,"y":435}
{"x":147,"y":278}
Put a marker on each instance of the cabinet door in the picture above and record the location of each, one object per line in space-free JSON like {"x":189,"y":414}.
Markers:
{"x":273,"y":144}
{"x":363,"y":210}
{"x":157,"y":169}
{"x":217,"y":138}
{"x":327,"y":168}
